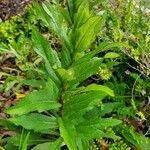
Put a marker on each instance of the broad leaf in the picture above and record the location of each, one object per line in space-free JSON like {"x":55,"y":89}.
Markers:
{"x":86,"y":69}
{"x":35,"y":121}
{"x":41,"y":100}
{"x":78,"y":105}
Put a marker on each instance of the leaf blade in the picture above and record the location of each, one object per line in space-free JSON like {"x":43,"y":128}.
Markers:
{"x":41,"y":100}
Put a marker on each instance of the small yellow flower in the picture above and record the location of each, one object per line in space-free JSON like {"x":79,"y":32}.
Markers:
{"x":105,"y":74}
{"x":141,"y":115}
{"x":19,"y":96}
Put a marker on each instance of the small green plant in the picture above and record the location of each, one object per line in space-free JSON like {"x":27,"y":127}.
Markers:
{"x":65,"y":110}
{"x":66,"y":102}
{"x":15,"y":38}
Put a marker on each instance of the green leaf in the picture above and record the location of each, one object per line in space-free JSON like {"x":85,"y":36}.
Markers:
{"x":73,"y":6}
{"x":40,"y":101}
{"x":109,"y":108}
{"x":24,"y":143}
{"x":111,"y":55}
{"x":35,"y":121}
{"x":95,"y":126}
{"x":102,"y":47}
{"x":43,"y":146}
{"x":89,"y":133}
{"x":80,"y":101}
{"x":85,"y":35}
{"x":64,"y":12}
{"x":82,"y":15}
{"x":60,"y":29}
{"x":41,"y":14}
{"x":67,"y":133}
{"x":66,"y":75}
{"x":6,"y":124}
{"x":10,"y":146}
{"x":42,"y":47}
{"x":86,"y":69}
{"x":34,"y":83}
{"x":101,"y":123}
{"x":33,"y":139}
{"x":56,"y":144}
{"x":78,"y":104}
{"x":66,"y":53}
{"x":82,"y":143}
{"x":138,"y":140}
{"x":56,"y":19}
{"x":95,"y":87}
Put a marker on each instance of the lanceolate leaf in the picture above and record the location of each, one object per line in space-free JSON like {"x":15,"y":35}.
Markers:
{"x":56,"y":19}
{"x":86,"y":33}
{"x":34,"y":83}
{"x":64,"y":12}
{"x":102,"y":88}
{"x":34,"y":138}
{"x":102,"y":47}
{"x":58,"y":26}
{"x":66,"y":52}
{"x":35,"y":121}
{"x":42,"y":100}
{"x":82,"y":15}
{"x":73,"y":7}
{"x":41,"y":14}
{"x":42,"y":47}
{"x":67,"y":133}
{"x":101,"y":123}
